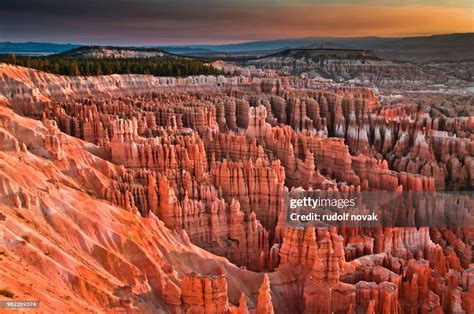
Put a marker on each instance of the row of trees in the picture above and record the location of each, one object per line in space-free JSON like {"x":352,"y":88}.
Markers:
{"x":168,"y":66}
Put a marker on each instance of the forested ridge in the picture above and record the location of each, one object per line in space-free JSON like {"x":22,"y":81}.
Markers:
{"x":160,"y":66}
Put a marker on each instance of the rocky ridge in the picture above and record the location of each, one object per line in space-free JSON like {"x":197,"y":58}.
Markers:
{"x":338,"y":65}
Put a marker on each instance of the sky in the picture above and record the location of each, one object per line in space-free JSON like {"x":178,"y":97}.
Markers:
{"x":167,"y":22}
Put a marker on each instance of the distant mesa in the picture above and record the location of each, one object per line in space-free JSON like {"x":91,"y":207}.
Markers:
{"x":34,"y":48}
{"x":327,"y":52}
{"x":109,"y":52}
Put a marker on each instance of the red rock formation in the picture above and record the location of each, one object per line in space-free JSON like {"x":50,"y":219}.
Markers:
{"x":264,"y":305}
{"x":52,"y":141}
{"x":150,"y":191}
{"x":299,"y":247}
{"x":204,"y":294}
{"x":378,"y":298}
{"x":258,"y":186}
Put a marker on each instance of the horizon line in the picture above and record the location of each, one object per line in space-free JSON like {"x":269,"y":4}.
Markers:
{"x":237,"y":42}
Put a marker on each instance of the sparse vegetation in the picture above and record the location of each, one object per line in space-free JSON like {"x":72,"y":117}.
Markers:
{"x":26,"y":239}
{"x":159,"y":66}
{"x":7,"y":293}
{"x":464,"y":113}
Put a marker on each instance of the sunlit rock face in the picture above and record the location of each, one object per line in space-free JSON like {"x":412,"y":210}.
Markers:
{"x":166,"y":195}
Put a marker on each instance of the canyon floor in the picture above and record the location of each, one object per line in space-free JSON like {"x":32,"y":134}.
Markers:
{"x":142,"y":194}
